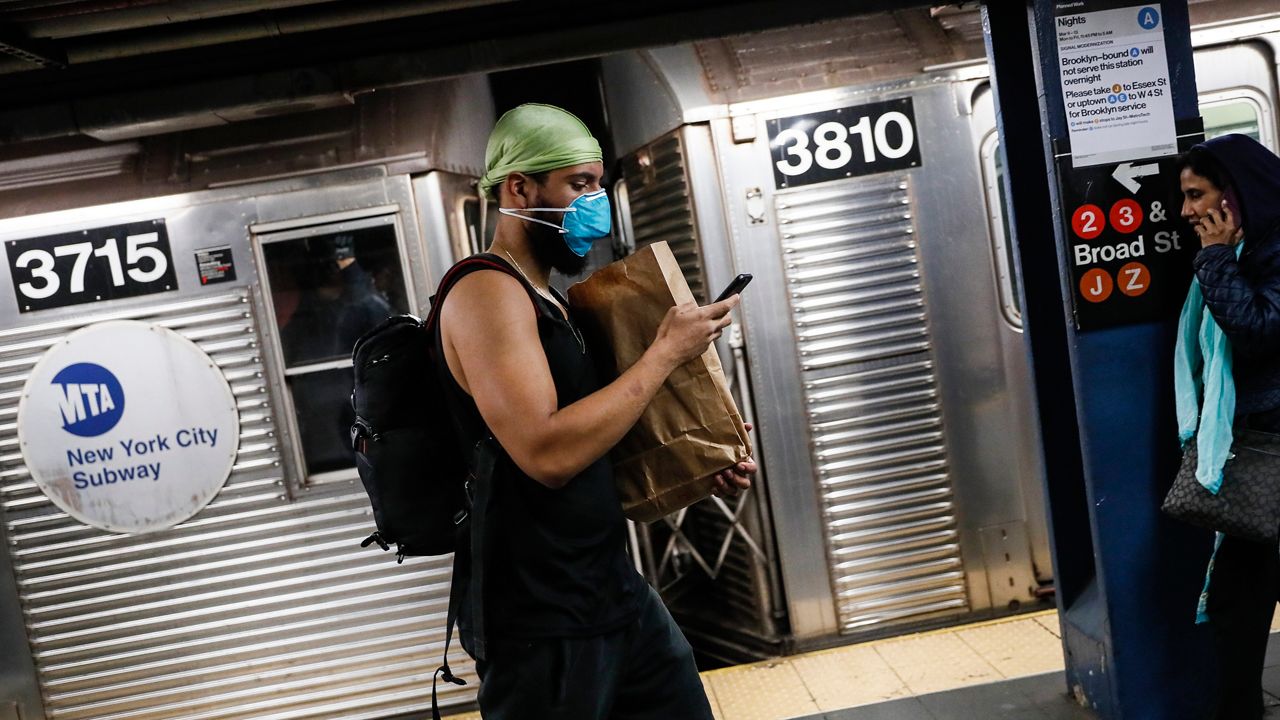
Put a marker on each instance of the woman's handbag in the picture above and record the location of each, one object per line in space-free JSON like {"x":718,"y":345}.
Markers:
{"x":1248,"y":503}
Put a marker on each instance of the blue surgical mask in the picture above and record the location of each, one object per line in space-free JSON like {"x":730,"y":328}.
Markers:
{"x":587,"y":219}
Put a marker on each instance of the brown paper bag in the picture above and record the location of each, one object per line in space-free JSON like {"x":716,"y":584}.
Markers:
{"x":692,"y":429}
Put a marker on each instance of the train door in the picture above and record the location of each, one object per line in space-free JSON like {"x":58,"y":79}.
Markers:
{"x":1020,"y":399}
{"x":882,"y":352}
{"x":878,"y":329}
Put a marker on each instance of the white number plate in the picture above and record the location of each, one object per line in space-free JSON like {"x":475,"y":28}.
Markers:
{"x":842,"y":143}
{"x":91,"y":265}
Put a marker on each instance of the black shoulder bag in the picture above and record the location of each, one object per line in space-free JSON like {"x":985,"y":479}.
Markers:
{"x":1247,"y":505}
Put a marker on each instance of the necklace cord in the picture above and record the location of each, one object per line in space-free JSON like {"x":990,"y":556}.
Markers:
{"x":547,"y":294}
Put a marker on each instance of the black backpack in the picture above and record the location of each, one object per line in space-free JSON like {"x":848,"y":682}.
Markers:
{"x":408,"y":451}
{"x":406,"y":446}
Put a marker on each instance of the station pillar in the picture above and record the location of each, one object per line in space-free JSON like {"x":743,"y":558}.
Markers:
{"x":1094,"y":100}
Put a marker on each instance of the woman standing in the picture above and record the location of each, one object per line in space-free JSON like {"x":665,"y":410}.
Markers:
{"x":1231,"y":197}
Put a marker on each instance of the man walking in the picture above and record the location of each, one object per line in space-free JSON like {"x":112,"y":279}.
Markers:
{"x":572,"y":631}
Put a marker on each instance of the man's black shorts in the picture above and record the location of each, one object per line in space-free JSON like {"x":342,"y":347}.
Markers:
{"x":645,"y":671}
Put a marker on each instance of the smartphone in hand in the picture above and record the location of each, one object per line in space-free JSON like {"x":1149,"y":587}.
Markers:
{"x":735,"y":286}
{"x":1231,"y":202}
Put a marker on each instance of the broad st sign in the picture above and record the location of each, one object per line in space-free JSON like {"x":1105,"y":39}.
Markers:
{"x":1129,"y":251}
{"x":128,"y":426}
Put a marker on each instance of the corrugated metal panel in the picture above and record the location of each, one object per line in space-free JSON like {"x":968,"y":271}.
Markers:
{"x":258,"y":607}
{"x":661,"y":208}
{"x":874,"y":413}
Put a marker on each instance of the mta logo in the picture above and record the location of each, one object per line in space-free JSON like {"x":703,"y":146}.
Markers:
{"x":90,"y":399}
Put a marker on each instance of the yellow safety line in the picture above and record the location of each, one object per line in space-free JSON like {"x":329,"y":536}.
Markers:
{"x":844,"y":648}
{"x":882,"y":641}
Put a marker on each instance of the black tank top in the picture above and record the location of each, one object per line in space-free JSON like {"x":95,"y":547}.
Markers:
{"x":556,"y":562}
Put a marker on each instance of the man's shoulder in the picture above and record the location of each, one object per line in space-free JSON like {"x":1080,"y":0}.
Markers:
{"x":487,"y":284}
{"x":487,"y":288}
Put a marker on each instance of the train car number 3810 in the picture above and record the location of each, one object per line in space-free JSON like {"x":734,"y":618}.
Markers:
{"x":93,"y":265}
{"x":844,"y":142}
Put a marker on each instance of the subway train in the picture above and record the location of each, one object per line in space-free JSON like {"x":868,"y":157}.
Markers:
{"x":851,"y":165}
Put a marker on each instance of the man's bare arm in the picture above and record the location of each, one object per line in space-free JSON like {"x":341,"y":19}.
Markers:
{"x":491,"y":342}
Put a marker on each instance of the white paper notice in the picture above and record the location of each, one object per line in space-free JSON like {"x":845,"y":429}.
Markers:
{"x":1115,"y":84}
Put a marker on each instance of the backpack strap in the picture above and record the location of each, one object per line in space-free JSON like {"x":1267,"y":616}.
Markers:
{"x":455,"y":597}
{"x":483,"y":261}
{"x":468,"y":562}
{"x":469,"y":559}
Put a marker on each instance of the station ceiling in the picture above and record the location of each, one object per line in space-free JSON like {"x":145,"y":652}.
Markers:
{"x":53,"y":50}
{"x":68,"y":66}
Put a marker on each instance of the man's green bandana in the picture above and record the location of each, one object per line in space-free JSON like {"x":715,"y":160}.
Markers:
{"x":534,"y":138}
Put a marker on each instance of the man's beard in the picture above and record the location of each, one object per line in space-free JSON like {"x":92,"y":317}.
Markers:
{"x":552,"y":251}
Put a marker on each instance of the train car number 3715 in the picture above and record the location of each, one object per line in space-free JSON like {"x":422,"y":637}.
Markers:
{"x":844,"y":142}
{"x":93,"y":265}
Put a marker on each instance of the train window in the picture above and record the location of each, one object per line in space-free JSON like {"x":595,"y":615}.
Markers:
{"x":329,"y":285}
{"x":1001,"y":238}
{"x":327,"y":290}
{"x":322,"y":409}
{"x":1237,"y":115}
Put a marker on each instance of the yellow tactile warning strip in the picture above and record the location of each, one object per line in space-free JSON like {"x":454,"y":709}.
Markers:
{"x":1017,"y":648}
{"x":1050,"y":622}
{"x":885,"y":670}
{"x":856,"y":676}
{"x":937,"y":662}
{"x":762,"y":691}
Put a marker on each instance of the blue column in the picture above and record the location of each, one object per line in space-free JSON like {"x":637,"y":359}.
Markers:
{"x":1127,"y":578}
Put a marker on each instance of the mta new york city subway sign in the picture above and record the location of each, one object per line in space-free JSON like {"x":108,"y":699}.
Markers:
{"x":128,"y":426}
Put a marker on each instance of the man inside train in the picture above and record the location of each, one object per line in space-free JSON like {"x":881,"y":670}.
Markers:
{"x":572,"y":629}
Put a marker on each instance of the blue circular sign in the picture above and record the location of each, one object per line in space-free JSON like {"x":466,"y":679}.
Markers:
{"x":1148,"y":18}
{"x":90,"y":399}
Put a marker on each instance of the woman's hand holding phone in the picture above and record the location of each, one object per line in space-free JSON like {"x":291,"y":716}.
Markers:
{"x":1220,"y":227}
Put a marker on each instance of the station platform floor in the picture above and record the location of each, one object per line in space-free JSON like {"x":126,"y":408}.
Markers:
{"x":1009,"y":668}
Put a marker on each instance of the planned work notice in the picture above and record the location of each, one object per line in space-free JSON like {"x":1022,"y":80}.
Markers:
{"x":1115,"y":82}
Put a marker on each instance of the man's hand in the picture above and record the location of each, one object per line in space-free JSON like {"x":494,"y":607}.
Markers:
{"x":688,"y":330}
{"x":730,"y":483}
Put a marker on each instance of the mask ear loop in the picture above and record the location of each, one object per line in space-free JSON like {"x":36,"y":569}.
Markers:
{"x":515,"y":213}
{"x":484,"y":215}
{"x":484,"y":220}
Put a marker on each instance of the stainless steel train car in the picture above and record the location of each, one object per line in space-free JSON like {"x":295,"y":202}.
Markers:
{"x":878,"y":352}
{"x":882,"y":343}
